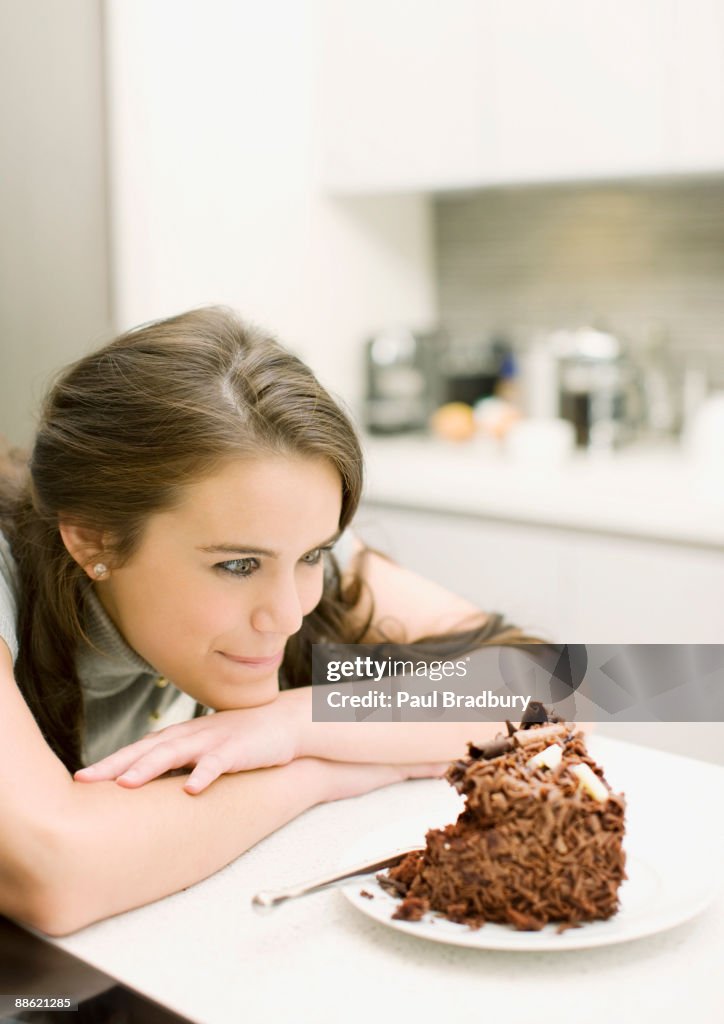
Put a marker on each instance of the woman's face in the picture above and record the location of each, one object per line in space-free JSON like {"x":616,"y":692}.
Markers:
{"x":218,"y":584}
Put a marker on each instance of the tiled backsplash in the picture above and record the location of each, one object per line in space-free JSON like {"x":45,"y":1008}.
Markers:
{"x":637,"y":258}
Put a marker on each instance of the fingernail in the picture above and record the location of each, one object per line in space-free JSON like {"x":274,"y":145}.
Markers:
{"x":129,"y":776}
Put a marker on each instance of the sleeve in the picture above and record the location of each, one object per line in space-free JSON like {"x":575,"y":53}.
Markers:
{"x":8,"y":598}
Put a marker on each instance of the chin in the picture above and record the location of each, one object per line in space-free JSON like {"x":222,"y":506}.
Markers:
{"x":250,"y":695}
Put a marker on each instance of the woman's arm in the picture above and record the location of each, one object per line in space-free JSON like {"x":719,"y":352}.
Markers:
{"x":71,"y":853}
{"x":124,"y":848}
{"x":394,"y":742}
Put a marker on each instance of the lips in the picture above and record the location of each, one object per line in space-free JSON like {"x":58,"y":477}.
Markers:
{"x":269,"y":662}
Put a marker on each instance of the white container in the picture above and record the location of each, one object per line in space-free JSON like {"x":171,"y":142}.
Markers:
{"x":704,"y":436}
{"x":539,"y":379}
{"x":703,"y":442}
{"x":541,"y":441}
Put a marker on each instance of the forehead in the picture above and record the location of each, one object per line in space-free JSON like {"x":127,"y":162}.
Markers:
{"x":274,"y":495}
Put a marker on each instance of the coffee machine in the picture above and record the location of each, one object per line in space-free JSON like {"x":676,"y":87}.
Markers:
{"x":598,"y":388}
{"x":402,"y":380}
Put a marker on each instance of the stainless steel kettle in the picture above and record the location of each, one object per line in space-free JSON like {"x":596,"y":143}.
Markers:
{"x":598,"y":387}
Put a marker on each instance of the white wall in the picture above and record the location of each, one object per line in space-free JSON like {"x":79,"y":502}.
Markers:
{"x":214,"y":128}
{"x":53,"y":241}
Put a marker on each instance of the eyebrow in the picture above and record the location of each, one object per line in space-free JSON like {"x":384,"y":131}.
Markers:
{"x":251,"y":549}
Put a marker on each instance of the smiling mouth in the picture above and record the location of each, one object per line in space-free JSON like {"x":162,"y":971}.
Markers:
{"x":274,"y":659}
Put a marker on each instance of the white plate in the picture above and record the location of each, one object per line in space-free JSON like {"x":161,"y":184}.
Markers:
{"x":664,"y":888}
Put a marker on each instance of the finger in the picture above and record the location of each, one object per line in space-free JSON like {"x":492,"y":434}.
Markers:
{"x":121,"y":760}
{"x":115,"y":764}
{"x":158,"y":761}
{"x":209,"y":768}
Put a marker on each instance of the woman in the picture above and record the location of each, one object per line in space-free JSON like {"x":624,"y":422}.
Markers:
{"x":188,"y":483}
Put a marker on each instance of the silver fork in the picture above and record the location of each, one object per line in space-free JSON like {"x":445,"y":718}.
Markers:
{"x":267,"y":900}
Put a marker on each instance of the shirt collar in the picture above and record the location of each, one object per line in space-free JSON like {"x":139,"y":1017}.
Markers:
{"x":107,"y":664}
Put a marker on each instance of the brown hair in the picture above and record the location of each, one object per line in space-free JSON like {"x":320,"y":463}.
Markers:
{"x":121,"y":433}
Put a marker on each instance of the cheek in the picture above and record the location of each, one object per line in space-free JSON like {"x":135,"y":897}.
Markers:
{"x":219,"y":613}
{"x":205,"y":612}
{"x":310,"y":590}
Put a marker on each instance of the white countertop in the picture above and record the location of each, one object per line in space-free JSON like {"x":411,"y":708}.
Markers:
{"x":204,"y":952}
{"x":653,"y":493}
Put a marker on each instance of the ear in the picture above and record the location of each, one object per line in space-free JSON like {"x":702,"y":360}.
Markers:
{"x":85,"y":546}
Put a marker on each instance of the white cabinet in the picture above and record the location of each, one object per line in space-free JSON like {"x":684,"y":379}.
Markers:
{"x":400,"y":90}
{"x":423,"y":95}
{"x":621,"y":591}
{"x":570,"y":587}
{"x":580,"y":87}
{"x":696,"y":85}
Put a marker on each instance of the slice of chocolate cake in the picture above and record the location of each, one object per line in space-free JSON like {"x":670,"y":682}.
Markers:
{"x":539,"y":840}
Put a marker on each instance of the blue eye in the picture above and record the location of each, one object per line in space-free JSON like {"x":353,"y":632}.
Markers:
{"x":315,"y":557}
{"x":239,"y":567}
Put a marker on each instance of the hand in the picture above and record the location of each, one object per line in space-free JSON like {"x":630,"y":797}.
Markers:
{"x":228,"y":741}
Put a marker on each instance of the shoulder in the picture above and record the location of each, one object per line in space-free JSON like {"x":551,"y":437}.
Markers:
{"x":411,"y":606}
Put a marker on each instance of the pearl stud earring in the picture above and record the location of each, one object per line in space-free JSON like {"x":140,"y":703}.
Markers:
{"x":100,"y":571}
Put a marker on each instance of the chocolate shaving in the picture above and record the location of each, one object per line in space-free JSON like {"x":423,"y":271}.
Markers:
{"x":535,"y":714}
{"x":547,"y":733}
{"x":411,"y":909}
{"x":392,"y":885}
{"x":493,"y":748}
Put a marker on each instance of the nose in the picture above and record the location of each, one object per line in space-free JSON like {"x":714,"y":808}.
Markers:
{"x":279,"y":609}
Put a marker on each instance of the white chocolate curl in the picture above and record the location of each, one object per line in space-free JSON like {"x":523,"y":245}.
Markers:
{"x":590,"y":782}
{"x":549,"y":758}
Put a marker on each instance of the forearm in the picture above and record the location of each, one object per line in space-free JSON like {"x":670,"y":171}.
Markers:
{"x":388,"y":742}
{"x":120,"y":848}
{"x":394,"y":742}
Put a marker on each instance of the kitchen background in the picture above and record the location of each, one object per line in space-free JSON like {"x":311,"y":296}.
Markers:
{"x":395,"y":189}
